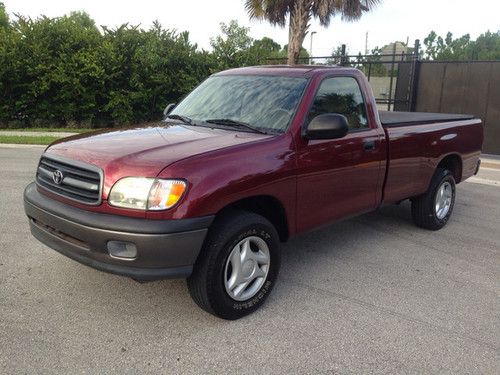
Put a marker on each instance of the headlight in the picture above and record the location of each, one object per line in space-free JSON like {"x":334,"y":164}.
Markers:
{"x":146,"y":193}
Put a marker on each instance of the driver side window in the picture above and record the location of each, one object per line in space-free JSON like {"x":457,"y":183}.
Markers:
{"x":341,"y":95}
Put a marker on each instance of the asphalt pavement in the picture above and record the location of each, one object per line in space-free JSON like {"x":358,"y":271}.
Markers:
{"x":373,"y":294}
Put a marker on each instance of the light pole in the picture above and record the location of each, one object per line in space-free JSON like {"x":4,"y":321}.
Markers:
{"x":311,"y":47}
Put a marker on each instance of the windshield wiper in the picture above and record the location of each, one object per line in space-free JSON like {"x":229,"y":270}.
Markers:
{"x":234,"y":123}
{"x":184,"y":119}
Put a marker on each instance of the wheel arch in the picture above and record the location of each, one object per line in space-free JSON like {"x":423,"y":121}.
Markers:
{"x":265,"y":205}
{"x":452,"y":162}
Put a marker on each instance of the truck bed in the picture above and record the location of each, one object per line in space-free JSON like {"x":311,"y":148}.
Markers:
{"x":417,"y":143}
{"x":391,"y":119}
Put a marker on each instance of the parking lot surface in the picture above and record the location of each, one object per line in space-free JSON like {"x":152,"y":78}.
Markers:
{"x":370,"y":294}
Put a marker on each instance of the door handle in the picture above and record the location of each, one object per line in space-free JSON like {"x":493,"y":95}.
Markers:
{"x":368,"y":145}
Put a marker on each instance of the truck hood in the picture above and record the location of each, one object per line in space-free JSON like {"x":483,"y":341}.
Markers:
{"x":145,"y":151}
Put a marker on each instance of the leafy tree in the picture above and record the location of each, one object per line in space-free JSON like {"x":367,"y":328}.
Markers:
{"x":235,"y":48}
{"x":336,"y":56}
{"x":378,"y":68}
{"x":4,"y":17}
{"x":82,"y":19}
{"x":299,"y":13}
{"x":262,"y":50}
{"x":267,"y":45}
{"x":371,"y":65}
{"x":446,"y":48}
{"x":231,"y":48}
{"x":485,"y":47}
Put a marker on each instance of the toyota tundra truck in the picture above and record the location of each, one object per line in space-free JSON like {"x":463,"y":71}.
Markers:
{"x":249,"y":158}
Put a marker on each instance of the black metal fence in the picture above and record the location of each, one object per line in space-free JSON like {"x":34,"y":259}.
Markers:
{"x":403,"y":82}
{"x":392,"y":76}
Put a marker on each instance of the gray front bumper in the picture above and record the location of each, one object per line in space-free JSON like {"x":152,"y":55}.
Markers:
{"x":166,"y":248}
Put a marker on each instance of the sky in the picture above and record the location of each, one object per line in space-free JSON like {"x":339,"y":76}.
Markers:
{"x":392,"y":20}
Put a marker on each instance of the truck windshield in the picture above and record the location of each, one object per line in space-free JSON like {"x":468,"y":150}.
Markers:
{"x":266,"y":103}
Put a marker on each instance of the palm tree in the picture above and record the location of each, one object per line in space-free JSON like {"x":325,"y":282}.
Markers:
{"x":300,"y":13}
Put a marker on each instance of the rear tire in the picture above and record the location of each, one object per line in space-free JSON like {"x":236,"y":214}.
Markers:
{"x":433,"y":209}
{"x":218,"y":286}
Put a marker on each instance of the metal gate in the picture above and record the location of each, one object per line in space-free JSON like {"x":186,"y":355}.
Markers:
{"x":392,"y":76}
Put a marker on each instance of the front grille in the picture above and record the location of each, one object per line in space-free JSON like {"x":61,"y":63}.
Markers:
{"x":71,"y":179}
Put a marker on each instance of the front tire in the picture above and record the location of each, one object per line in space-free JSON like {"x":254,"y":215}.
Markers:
{"x":237,"y":267}
{"x":433,"y":209}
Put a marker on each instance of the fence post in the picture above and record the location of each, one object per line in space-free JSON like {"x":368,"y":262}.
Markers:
{"x":414,"y":77}
{"x":342,"y":55}
{"x":392,"y":75}
{"x":417,"y":49}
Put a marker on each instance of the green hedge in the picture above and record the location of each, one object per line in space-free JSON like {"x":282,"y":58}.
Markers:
{"x":66,"y":72}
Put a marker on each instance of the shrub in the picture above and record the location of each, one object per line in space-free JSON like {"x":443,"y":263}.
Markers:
{"x":62,"y":71}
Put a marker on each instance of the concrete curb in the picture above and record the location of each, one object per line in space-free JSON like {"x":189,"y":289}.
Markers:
{"x":483,"y":181}
{"x":490,"y":161}
{"x":14,"y":133}
{"x":491,"y":157}
{"x":8,"y":145}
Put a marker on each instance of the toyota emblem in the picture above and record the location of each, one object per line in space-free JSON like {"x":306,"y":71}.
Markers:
{"x":58,"y":177}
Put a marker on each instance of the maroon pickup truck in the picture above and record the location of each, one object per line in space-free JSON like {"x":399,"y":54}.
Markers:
{"x":249,"y":158}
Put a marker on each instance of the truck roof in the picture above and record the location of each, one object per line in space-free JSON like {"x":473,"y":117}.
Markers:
{"x":284,"y":70}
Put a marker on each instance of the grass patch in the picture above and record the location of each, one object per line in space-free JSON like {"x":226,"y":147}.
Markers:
{"x":64,"y":130}
{"x":27,"y":140}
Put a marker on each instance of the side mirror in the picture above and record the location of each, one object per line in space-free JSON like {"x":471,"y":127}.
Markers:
{"x":169,"y":109}
{"x":327,"y":126}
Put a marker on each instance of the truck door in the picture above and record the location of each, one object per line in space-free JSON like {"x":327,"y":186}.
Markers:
{"x":339,"y":177}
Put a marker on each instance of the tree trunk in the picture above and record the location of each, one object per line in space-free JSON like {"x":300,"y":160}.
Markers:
{"x":300,"y":16}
